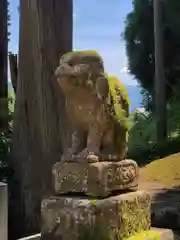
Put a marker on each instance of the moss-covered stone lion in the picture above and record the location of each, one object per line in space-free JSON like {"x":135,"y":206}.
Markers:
{"x":97,"y":108}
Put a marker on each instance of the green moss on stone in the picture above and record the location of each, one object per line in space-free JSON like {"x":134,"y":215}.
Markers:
{"x":117,"y":90}
{"x":115,"y":84}
{"x":151,"y":235}
{"x":133,"y":219}
{"x":93,"y":202}
{"x":84,"y":53}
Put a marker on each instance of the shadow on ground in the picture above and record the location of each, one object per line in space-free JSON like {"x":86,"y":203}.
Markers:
{"x":165,"y":208}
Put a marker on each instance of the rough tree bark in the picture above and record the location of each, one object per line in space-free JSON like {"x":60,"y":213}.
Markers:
{"x":3,"y":65}
{"x":40,"y":120}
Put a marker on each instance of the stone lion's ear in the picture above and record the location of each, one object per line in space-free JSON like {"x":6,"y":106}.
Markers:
{"x":56,"y":72}
{"x":102,"y":88}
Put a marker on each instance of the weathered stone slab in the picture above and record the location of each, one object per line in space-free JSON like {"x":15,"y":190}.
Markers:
{"x":118,"y":217}
{"x":154,"y":234}
{"x":3,"y":211}
{"x":95,"y":179}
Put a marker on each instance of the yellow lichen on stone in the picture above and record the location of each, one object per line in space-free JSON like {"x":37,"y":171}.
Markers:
{"x":93,"y":202}
{"x":131,"y":214}
{"x":117,"y":90}
{"x":152,"y":235}
{"x":117,"y":84}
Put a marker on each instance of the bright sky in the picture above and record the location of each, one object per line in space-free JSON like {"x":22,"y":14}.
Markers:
{"x":98,"y":25}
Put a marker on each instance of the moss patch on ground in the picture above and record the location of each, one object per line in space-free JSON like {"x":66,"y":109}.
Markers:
{"x":151,"y":235}
{"x":165,"y":170}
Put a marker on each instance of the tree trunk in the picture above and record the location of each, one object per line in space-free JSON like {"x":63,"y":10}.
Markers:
{"x":40,"y":119}
{"x":3,"y":65}
{"x":160,"y":81}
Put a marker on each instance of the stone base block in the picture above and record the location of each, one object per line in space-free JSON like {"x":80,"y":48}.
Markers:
{"x":118,"y":217}
{"x":95,"y":179}
{"x":154,"y":234}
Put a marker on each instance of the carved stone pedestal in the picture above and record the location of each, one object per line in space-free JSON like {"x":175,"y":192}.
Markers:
{"x":78,"y":218}
{"x":95,"y":179}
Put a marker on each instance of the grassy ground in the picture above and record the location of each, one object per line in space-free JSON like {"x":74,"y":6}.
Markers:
{"x":165,"y":171}
{"x":11,"y":95}
{"x":161,"y":178}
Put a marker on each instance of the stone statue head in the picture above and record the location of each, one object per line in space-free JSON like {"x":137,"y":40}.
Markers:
{"x":83,"y":69}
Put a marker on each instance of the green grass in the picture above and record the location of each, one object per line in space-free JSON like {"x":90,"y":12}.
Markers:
{"x":11,"y":96}
{"x":11,"y":93}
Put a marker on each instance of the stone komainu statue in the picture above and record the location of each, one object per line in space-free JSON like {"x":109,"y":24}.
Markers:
{"x":97,"y":108}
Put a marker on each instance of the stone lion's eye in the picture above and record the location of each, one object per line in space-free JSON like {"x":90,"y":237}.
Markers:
{"x":70,"y":64}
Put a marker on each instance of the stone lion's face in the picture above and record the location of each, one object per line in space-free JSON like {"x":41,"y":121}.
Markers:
{"x":71,"y":66}
{"x":68,"y":70}
{"x":74,"y":72}
{"x":70,"y":76}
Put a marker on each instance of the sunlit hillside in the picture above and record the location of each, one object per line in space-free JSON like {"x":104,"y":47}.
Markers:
{"x":165,"y":170}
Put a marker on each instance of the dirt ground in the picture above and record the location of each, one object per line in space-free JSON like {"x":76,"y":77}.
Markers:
{"x":159,"y":191}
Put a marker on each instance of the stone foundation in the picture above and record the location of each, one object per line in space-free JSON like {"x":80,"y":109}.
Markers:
{"x":96,"y":179}
{"x":80,"y":218}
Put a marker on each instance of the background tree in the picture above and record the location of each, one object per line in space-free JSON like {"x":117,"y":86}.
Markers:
{"x":160,"y":81}
{"x":139,"y":37}
{"x":3,"y":65}
{"x":39,"y":124}
{"x":142,"y":136}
